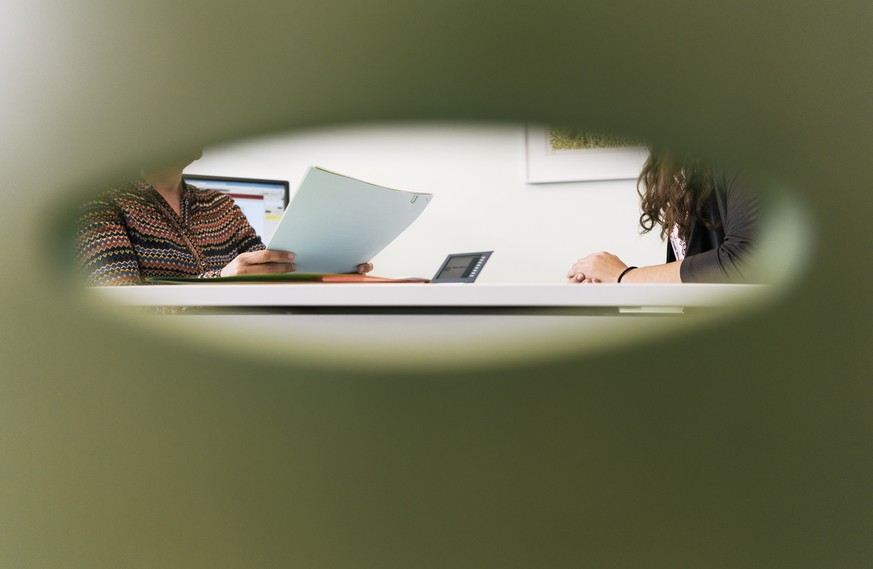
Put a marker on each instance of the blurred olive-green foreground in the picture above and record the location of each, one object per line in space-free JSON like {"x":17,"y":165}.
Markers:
{"x":746,"y":444}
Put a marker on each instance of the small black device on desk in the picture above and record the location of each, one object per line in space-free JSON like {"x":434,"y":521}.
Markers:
{"x":461,"y":267}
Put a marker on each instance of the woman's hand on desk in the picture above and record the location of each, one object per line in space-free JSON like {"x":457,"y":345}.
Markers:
{"x":600,"y":267}
{"x":364,"y":268}
{"x":260,"y":262}
{"x":605,"y":267}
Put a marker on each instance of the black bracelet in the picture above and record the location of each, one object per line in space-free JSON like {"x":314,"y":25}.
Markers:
{"x":624,"y":272}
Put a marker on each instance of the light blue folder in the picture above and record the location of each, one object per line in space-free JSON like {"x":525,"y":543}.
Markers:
{"x":334,"y":223}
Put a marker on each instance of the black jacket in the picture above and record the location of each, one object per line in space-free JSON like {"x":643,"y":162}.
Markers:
{"x":718,"y":254}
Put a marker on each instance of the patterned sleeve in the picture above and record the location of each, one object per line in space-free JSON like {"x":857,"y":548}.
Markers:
{"x":247,"y":239}
{"x":241,"y":236}
{"x":103,"y":248}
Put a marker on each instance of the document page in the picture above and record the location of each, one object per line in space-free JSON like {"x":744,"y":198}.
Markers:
{"x":334,"y":223}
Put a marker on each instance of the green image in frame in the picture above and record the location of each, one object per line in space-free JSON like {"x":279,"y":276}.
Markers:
{"x":566,"y":138}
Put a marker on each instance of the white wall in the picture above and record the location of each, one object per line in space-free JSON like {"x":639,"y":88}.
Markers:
{"x":481,"y":201}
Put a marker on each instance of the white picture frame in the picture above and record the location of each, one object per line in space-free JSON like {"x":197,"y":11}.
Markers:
{"x":547,"y":165}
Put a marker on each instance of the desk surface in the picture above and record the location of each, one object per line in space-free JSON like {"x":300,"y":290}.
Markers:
{"x":401,"y":325}
{"x":433,"y":295}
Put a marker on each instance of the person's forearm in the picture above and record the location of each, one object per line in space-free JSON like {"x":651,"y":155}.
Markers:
{"x":666,"y":273}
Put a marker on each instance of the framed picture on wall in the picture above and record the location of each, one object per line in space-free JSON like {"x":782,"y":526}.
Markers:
{"x":558,"y":154}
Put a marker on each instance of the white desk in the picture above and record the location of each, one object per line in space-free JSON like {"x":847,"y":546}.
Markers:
{"x":434,"y":296}
{"x":424,"y":324}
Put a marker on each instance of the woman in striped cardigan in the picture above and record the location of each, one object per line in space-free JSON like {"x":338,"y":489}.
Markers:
{"x":156,"y":225}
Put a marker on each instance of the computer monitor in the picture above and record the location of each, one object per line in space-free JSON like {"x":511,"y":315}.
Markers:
{"x":262,"y":201}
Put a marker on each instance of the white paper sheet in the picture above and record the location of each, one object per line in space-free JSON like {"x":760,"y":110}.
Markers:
{"x":334,"y":223}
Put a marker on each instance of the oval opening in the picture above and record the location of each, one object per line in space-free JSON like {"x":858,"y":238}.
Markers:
{"x":495,"y":187}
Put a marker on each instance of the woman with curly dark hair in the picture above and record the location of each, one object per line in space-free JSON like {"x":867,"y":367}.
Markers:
{"x":709,"y":219}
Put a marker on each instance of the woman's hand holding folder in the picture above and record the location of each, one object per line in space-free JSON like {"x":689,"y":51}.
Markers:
{"x":267,"y":261}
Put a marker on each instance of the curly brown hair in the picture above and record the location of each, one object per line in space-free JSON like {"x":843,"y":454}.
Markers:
{"x":672,"y":192}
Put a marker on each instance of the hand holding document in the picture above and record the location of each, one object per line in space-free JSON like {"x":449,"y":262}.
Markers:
{"x":334,"y":223}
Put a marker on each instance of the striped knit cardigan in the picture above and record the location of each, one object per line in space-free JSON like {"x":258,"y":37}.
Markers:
{"x":130,"y":233}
